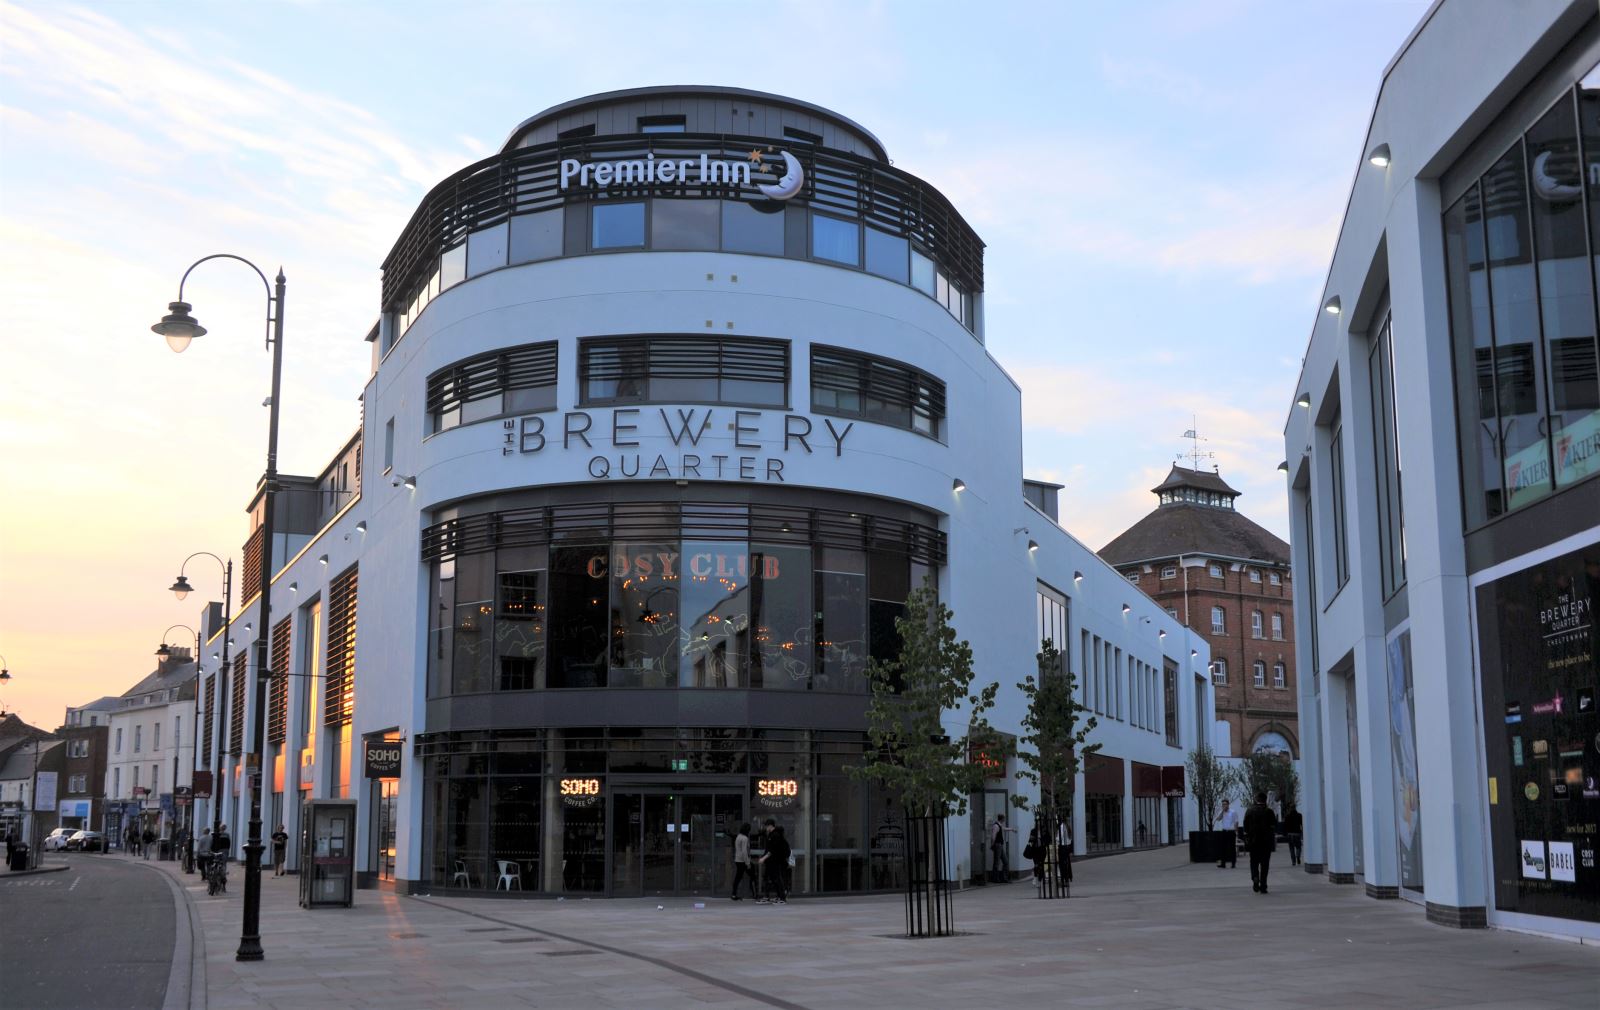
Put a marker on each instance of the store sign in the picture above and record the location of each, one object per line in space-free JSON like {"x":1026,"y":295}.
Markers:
{"x":580,"y":787}
{"x":44,"y":796}
{"x":777,"y":794}
{"x":703,"y":566}
{"x":383,"y":759}
{"x":1172,"y":781}
{"x":202,"y":785}
{"x":994,"y":766}
{"x":762,"y":442}
{"x":751,"y":172}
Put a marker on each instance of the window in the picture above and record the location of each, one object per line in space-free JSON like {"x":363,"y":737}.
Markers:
{"x":1219,"y":621}
{"x":78,"y":749}
{"x":1277,"y":627}
{"x":1255,"y":576}
{"x":804,"y":136}
{"x":1169,"y":702}
{"x":1255,"y":624}
{"x":887,"y":255}
{"x":338,"y":702}
{"x":1132,"y":577}
{"x":1279,"y":679}
{"x":1273,"y":578}
{"x":155,"y":778}
{"x":1214,"y":570}
{"x":1172,"y":612}
{"x":616,"y":225}
{"x":136,"y":779}
{"x":388,"y":445}
{"x":1260,"y":670}
{"x":537,"y":236}
{"x":836,"y":240}
{"x":1386,"y":461}
{"x":1341,"y":548}
{"x":78,"y":784}
{"x":661,"y":124}
{"x":747,"y":229}
{"x":876,"y":389}
{"x":1169,"y":572}
{"x":519,"y":380}
{"x":116,"y":779}
{"x":684,"y":224}
{"x":155,"y":737}
{"x":138,"y":737}
{"x":1055,"y":620}
{"x":684,"y":369}
{"x":1219,"y":672}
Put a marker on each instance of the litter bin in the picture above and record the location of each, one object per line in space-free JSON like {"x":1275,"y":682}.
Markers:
{"x":19,"y":856}
{"x":165,"y":852}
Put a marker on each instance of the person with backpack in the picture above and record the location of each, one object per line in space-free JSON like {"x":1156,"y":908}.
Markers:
{"x":743,"y":872}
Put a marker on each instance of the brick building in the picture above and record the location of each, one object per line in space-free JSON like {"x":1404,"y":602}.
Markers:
{"x":82,"y":789}
{"x":1228,"y":580}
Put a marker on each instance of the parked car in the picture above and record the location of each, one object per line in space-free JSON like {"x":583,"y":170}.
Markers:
{"x":87,"y":841}
{"x":56,"y":840}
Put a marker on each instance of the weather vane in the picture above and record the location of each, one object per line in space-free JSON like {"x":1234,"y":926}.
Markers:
{"x":1194,"y":454}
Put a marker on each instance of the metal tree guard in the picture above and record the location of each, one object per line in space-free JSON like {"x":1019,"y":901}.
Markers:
{"x":929,"y":911}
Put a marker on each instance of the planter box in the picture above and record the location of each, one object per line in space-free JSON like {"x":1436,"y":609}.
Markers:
{"x":1208,"y":846}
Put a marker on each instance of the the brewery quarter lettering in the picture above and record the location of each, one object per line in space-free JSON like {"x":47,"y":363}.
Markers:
{"x":684,"y":428}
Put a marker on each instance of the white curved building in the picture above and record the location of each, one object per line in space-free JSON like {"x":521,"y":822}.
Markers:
{"x":673,"y":401}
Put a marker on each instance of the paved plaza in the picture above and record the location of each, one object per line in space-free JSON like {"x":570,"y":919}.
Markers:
{"x":1142,"y":930}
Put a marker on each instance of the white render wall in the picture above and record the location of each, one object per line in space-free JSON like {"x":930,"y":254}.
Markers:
{"x":990,"y":581}
{"x":1450,"y":81}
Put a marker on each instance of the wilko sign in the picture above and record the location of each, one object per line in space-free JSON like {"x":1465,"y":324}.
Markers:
{"x":383,"y":759}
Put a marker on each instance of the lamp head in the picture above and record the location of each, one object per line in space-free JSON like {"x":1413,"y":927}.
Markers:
{"x":958,"y":485}
{"x":181,"y":587}
{"x":178,"y":326}
{"x":1379,"y":156}
{"x":1126,"y":608}
{"x":1331,"y":306}
{"x":164,"y":653}
{"x":1304,"y":401}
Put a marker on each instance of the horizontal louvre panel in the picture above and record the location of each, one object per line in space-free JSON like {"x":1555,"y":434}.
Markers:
{"x":651,"y":357}
{"x":277,"y":711}
{"x":250,"y":584}
{"x":866,"y":376}
{"x":527,"y":179}
{"x":529,"y":367}
{"x":211,"y":714}
{"x":338,"y":700}
{"x":241,"y":673}
{"x":670,"y":521}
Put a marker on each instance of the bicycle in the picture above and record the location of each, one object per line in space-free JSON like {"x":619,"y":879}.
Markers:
{"x":217,"y":874}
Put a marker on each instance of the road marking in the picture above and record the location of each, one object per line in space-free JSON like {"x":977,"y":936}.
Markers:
{"x":31,"y":883}
{"x":74,"y":886}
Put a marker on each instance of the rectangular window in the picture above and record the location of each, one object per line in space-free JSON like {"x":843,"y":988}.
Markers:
{"x":78,"y":784}
{"x":876,"y":389}
{"x":922,"y":273}
{"x":138,"y":736}
{"x":661,"y":124}
{"x":1260,"y":670}
{"x":1279,"y":677}
{"x":1255,"y":576}
{"x":616,"y":225}
{"x":1169,"y":572}
{"x":486,"y":249}
{"x":1255,"y":624}
{"x":685,"y":224}
{"x":1341,"y":548}
{"x":747,"y":229}
{"x":452,"y":270}
{"x":338,"y":702}
{"x":1277,"y":627}
{"x":388,"y":445}
{"x":116,"y":780}
{"x":887,"y":255}
{"x":684,"y":369}
{"x":1275,"y":579}
{"x":1214,"y":570}
{"x":1219,"y":621}
{"x":536,"y":236}
{"x":155,"y":737}
{"x":517,"y":380}
{"x":1386,"y":462}
{"x":1133,"y":577}
{"x":836,"y":240}
{"x":1169,"y":702}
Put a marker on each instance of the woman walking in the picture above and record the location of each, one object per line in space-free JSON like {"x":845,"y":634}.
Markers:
{"x":743,"y":872}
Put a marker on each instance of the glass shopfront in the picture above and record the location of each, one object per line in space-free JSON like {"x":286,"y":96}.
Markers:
{"x":646,"y":811}
{"x":1538,"y":645}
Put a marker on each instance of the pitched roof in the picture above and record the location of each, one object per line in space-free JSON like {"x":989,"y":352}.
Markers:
{"x":1186,"y":528}
{"x":1183,"y":477}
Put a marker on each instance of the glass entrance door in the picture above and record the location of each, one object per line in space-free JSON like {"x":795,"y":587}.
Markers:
{"x":677,"y":842}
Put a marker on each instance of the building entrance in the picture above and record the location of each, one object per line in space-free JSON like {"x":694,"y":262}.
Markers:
{"x":673,"y":841}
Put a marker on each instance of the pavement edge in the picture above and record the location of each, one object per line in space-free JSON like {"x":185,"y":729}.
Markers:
{"x":186,"y":982}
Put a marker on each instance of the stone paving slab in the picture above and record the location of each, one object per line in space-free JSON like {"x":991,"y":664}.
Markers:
{"x":1143,"y":930}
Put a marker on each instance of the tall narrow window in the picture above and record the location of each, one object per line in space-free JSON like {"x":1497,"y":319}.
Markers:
{"x":1277,"y":627}
{"x":1341,"y":547}
{"x":1260,"y":670}
{"x":1255,"y":624}
{"x":1219,"y":672}
{"x":1219,"y":621}
{"x":1386,"y":461}
{"x":278,"y":702}
{"x":1279,"y":676}
{"x":338,"y":702}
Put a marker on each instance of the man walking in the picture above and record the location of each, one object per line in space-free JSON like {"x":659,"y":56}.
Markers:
{"x":1228,"y":821}
{"x":1001,"y":870}
{"x":1260,"y":837}
{"x":1294,"y":832}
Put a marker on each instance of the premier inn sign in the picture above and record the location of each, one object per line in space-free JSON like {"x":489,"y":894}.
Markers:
{"x":704,"y":170}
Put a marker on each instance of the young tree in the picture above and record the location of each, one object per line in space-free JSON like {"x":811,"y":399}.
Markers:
{"x":915,"y":757}
{"x":1052,"y":746}
{"x":1212,"y":782}
{"x":1271,"y":773}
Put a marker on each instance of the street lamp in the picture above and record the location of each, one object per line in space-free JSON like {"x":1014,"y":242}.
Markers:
{"x":180,"y":588}
{"x":179,"y":327}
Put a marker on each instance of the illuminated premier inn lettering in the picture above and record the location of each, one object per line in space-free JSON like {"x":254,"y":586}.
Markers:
{"x":650,"y":171}
{"x":684,"y":428}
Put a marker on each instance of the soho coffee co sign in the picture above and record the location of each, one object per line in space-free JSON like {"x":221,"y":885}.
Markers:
{"x":706,"y":171}
{"x":383,"y":759}
{"x":611,"y":443}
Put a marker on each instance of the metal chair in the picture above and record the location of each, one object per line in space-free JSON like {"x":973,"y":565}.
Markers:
{"x":460,"y":876}
{"x":510,"y":876}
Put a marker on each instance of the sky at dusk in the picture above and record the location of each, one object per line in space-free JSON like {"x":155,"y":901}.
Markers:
{"x":1159,"y":184}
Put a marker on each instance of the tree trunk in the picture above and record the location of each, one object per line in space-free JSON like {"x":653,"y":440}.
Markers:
{"x":929,"y":911}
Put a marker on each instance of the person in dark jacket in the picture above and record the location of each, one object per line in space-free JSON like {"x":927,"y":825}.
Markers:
{"x":1294,"y":833}
{"x":280,"y":850}
{"x":775,"y":864}
{"x":1260,"y":838}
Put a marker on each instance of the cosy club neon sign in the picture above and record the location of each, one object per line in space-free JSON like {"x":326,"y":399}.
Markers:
{"x":703,"y":565}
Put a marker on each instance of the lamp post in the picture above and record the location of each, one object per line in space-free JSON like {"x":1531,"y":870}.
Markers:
{"x":179,"y":327}
{"x":180,"y":588}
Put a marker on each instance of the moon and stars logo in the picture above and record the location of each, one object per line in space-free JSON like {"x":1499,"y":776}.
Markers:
{"x":793,"y":178}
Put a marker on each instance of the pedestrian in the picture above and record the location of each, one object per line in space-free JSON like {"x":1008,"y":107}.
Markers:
{"x":1064,"y":850}
{"x":146,"y":840}
{"x":1228,"y":822}
{"x":203,"y":850}
{"x":1294,"y":832}
{"x":11,"y":844}
{"x":774,"y":864}
{"x":1000,"y":871}
{"x":1034,"y":853}
{"x":1260,"y":832}
{"x":743,"y":872}
{"x":280,"y":850}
